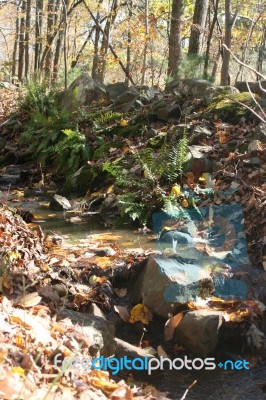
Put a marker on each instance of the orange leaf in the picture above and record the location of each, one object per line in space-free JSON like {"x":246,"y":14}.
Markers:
{"x":170,"y":326}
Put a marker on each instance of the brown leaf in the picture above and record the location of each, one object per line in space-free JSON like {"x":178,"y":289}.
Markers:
{"x":123,"y":313}
{"x":29,"y":300}
{"x":170,"y":326}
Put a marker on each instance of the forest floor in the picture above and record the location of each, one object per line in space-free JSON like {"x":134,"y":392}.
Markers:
{"x":42,"y":275}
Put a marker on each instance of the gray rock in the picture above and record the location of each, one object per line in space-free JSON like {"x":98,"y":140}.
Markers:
{"x":197,"y":160}
{"x":8,"y":86}
{"x":105,"y":252}
{"x":82,"y":92}
{"x":127,"y":96}
{"x":260,"y":133}
{"x":180,"y":237}
{"x":195,"y":88}
{"x":254,"y":87}
{"x":59,"y":203}
{"x":100,"y":332}
{"x":6,"y":179}
{"x":169,"y":112}
{"x":148,"y":94}
{"x":95,"y":311}
{"x":116,"y":89}
{"x":200,"y":133}
{"x":133,"y":105}
{"x":165,"y":282}
{"x":198,"y":331}
{"x":213,"y":91}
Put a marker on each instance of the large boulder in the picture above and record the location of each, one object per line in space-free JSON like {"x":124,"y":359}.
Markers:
{"x":190,"y":88}
{"x":253,"y":86}
{"x":114,"y":90}
{"x":82,"y":92}
{"x":166,"y":282}
{"x":198,"y":331}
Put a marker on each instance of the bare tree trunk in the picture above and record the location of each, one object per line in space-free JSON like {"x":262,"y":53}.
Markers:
{"x":198,"y":27}
{"x":261,"y":52}
{"x":209,"y":40}
{"x":21,"y":51}
{"x":106,"y":39}
{"x":145,"y":51}
{"x":38,"y":34}
{"x":229,"y":24}
{"x":15,"y":49}
{"x":95,"y":63}
{"x":27,"y":39}
{"x":175,"y":55}
{"x":129,"y":39}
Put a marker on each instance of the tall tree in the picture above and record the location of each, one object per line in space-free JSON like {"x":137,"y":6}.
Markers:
{"x":38,"y":33}
{"x":21,"y":51}
{"x":230,"y":20}
{"x":15,"y":48}
{"x":145,"y":51}
{"x":27,"y":39}
{"x":198,"y":27}
{"x":175,"y":37}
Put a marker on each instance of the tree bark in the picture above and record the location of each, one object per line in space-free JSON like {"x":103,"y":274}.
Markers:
{"x":95,"y":63}
{"x":229,"y":24}
{"x":209,"y":40}
{"x":175,"y":55}
{"x":21,"y":51}
{"x":15,"y":49}
{"x":198,"y":27}
{"x":145,"y":51}
{"x":105,"y":40}
{"x":38,"y":34}
{"x":27,"y":39}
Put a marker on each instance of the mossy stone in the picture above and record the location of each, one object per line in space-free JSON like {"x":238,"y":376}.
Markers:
{"x":227,"y":108}
{"x":127,"y":131}
{"x":103,"y":150}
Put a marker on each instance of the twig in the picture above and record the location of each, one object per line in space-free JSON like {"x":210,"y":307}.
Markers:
{"x":255,"y":101}
{"x":245,"y":65}
{"x":186,"y":392}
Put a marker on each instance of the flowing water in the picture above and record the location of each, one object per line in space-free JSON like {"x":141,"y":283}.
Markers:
{"x":211,"y":385}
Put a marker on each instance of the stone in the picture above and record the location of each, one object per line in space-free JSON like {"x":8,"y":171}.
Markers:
{"x":82,"y":92}
{"x":148,"y":94}
{"x":101,"y":333}
{"x":114,"y":90}
{"x":201,"y":133}
{"x":198,"y":161}
{"x":169,"y":112}
{"x":127,"y":96}
{"x":59,"y":203}
{"x":198,"y":331}
{"x":195,"y":88}
{"x":105,"y":252}
{"x":228,"y":109}
{"x":173,"y":235}
{"x":254,"y":87}
{"x":134,"y":105}
{"x":260,"y":133}
{"x":165,"y":282}
{"x":212,"y":92}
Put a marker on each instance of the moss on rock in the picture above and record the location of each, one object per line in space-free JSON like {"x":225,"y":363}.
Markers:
{"x":228,"y":109}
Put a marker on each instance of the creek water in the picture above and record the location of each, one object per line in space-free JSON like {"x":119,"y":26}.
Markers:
{"x":211,"y":385}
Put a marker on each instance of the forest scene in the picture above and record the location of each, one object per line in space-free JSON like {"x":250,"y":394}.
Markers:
{"x":132,"y":200}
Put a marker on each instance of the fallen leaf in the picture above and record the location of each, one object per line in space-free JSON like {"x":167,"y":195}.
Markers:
{"x":140,"y":313}
{"x":123,"y":313}
{"x":170,"y":326}
{"x":30,"y":300}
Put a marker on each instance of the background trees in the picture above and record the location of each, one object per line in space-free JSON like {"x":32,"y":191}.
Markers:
{"x":142,"y":41}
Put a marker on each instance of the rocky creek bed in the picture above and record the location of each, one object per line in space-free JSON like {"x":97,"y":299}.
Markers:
{"x":191,"y":285}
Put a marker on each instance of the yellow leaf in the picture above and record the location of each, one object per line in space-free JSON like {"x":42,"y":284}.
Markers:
{"x":176,"y":190}
{"x":140,"y":313}
{"x":18,"y":371}
{"x":184,"y":203}
{"x":123,"y":122}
